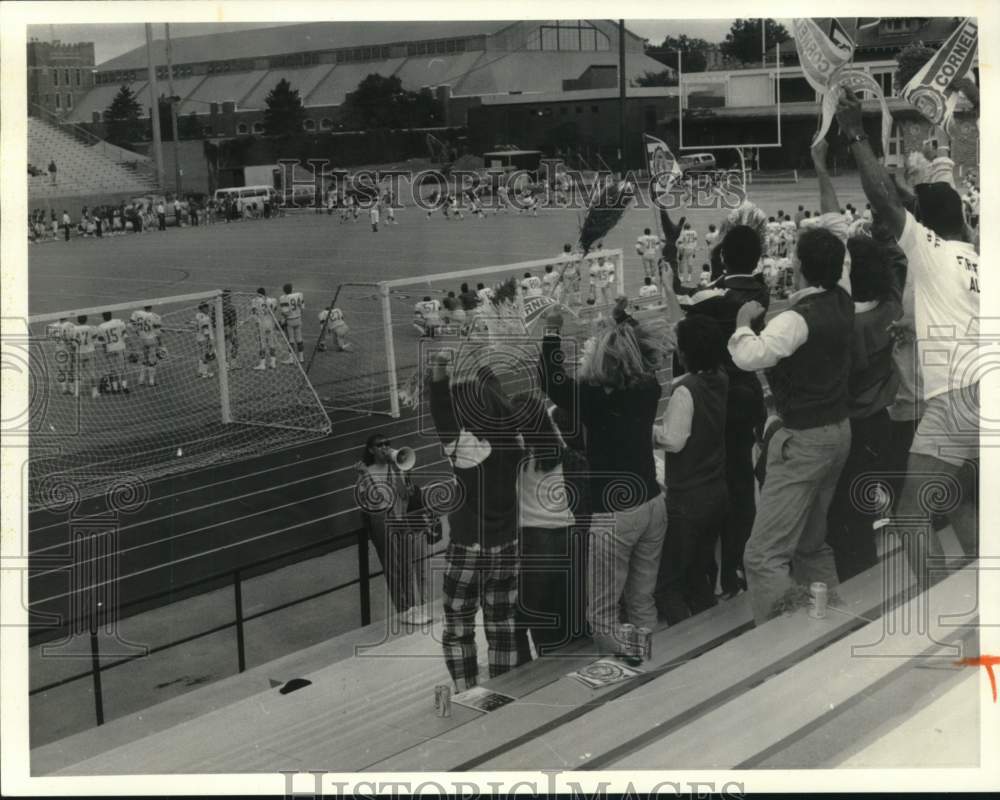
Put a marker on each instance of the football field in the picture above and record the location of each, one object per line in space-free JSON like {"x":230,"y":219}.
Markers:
{"x":207,"y":521}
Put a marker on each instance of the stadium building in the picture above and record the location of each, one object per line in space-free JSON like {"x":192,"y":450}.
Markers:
{"x":224,"y":78}
{"x":729,"y":106}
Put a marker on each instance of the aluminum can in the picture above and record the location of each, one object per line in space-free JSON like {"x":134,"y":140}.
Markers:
{"x":645,"y":640}
{"x":628,"y":641}
{"x":442,"y":700}
{"x":819,"y":597}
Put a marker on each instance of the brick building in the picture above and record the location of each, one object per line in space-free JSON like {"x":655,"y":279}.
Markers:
{"x":59,"y":75}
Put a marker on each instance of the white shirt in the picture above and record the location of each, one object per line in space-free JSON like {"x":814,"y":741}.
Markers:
{"x":672,"y":434}
{"x":781,"y":337}
{"x":946,"y":308}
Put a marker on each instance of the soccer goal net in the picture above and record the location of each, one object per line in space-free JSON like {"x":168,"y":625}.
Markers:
{"x":368,"y":339}
{"x":140,"y":391}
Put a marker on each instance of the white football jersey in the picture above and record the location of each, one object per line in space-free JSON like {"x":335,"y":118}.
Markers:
{"x":203,"y":327}
{"x":429,"y":309}
{"x":648,"y":244}
{"x":688,"y":238}
{"x":148,"y":325}
{"x":595,"y":274}
{"x":84,"y":337}
{"x":711,"y":238}
{"x":262,"y":308}
{"x":61,"y":333}
{"x":113,"y":334}
{"x":532,"y":287}
{"x":551,"y":278}
{"x":485,"y":294}
{"x":608,"y":273}
{"x":649,"y":291}
{"x":291,"y":305}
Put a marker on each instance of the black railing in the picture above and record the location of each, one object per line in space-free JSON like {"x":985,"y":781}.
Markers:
{"x":235,"y":576}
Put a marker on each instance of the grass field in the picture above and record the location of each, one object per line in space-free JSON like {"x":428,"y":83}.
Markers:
{"x":208,"y":521}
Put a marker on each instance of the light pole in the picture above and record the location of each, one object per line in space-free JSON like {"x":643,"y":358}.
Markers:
{"x":155,"y":106}
{"x":173,"y":113}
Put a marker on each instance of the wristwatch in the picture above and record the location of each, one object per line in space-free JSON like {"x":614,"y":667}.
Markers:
{"x":858,"y":138}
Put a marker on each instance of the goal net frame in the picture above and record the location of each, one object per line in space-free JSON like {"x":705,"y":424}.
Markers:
{"x":386,"y":290}
{"x":109,"y":463}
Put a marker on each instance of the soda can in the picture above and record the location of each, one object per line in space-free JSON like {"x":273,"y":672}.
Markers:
{"x":442,"y":700}
{"x":819,"y":597}
{"x":628,"y":642}
{"x":645,"y":637}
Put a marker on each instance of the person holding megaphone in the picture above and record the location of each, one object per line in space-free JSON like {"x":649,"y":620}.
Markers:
{"x":392,"y":508}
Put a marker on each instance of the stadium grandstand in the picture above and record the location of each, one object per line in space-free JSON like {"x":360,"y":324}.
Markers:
{"x":86,"y":167}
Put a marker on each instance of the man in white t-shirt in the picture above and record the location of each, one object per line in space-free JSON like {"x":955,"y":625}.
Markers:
{"x":944,"y":268}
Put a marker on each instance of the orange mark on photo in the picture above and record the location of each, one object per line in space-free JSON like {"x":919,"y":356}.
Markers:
{"x":984,"y":661}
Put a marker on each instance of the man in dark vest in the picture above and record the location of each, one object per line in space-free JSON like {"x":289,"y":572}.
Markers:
{"x":806,"y":353}
{"x":739,"y":253}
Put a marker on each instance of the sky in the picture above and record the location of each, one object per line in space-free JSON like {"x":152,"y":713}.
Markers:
{"x":112,"y":40}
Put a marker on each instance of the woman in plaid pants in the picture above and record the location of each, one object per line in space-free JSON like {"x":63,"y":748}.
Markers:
{"x":475,"y":423}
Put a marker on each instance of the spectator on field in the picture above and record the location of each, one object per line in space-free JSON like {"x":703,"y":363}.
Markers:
{"x":693,"y":435}
{"x":161,"y":215}
{"x":468,"y":298}
{"x":477,"y":427}
{"x":52,"y":172}
{"x":615,"y":396}
{"x":804,"y":351}
{"x":67,"y":223}
{"x":388,"y":500}
{"x":944,"y":267}
{"x":872,"y":387}
{"x":739,"y":254}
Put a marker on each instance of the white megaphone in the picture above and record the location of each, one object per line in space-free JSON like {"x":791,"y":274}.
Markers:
{"x":405,"y":458}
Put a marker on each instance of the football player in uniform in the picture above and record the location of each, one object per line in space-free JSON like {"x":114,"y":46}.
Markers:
{"x":112,"y":334}
{"x":336,"y":330}
{"x":711,"y":238}
{"x":291,"y":304}
{"x":427,"y":316}
{"x":84,"y":338}
{"x":687,"y":245}
{"x":205,"y":338}
{"x":608,"y":280}
{"x":531,"y":286}
{"x":61,"y":335}
{"x":484,"y":293}
{"x":263,"y":309}
{"x":648,"y":247}
{"x":649,"y":288}
{"x":551,"y":285}
{"x":147,"y":324}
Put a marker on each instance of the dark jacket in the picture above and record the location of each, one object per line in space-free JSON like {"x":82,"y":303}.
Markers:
{"x":619,"y":427}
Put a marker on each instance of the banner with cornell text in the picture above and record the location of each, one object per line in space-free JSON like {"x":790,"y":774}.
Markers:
{"x":929,"y":91}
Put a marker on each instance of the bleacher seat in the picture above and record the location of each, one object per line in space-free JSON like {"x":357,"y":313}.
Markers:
{"x":81,"y":169}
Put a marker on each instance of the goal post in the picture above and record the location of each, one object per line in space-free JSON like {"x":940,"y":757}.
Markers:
{"x":374,"y":373}
{"x":122,"y":391}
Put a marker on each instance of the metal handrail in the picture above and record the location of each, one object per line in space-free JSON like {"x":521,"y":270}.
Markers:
{"x":235,"y":576}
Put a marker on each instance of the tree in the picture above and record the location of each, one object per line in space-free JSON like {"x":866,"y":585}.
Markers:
{"x":666,"y":78}
{"x":692,"y":50}
{"x":285,"y":113}
{"x":381,"y":102}
{"x":910,"y":59}
{"x":743,"y":40}
{"x":122,"y":117}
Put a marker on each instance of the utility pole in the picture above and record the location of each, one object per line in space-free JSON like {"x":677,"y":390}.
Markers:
{"x":155,"y":106}
{"x":621,"y":96}
{"x":173,"y":113}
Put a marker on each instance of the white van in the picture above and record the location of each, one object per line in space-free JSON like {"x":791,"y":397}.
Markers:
{"x":244,"y":195}
{"x":697,"y":162}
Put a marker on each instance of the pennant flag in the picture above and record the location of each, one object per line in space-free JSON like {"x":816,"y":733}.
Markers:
{"x":930,"y":90}
{"x":660,"y":162}
{"x":858,"y":81}
{"x":823,"y":58}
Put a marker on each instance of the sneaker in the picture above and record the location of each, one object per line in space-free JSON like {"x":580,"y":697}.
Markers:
{"x":414,"y":616}
{"x":288,"y":360}
{"x":261,"y":366}
{"x":346,"y":348}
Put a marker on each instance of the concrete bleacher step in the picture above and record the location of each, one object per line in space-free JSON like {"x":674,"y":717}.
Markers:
{"x":92,"y":743}
{"x":738,"y":734}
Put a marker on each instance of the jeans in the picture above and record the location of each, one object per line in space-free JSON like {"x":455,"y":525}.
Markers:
{"x":788,"y":541}
{"x":853,"y":510}
{"x":694,"y":518}
{"x":624,"y":559}
{"x":550,"y":588}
